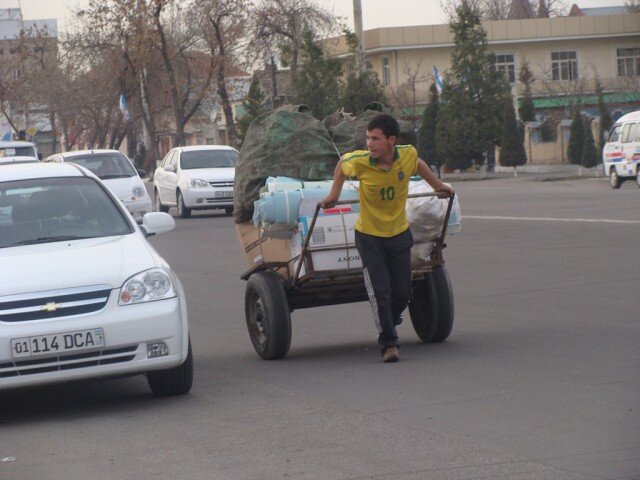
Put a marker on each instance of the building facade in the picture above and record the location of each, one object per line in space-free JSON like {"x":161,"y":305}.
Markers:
{"x":565,"y":54}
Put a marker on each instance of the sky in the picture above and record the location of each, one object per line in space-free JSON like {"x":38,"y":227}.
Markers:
{"x":375,"y":13}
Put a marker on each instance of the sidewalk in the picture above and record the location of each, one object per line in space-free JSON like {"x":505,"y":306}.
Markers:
{"x":531,"y":172}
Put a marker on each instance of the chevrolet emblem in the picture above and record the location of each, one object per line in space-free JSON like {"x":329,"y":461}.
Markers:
{"x":51,"y":307}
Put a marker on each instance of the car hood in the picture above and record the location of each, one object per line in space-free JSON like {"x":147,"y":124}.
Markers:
{"x":76,"y":263}
{"x":121,"y":187}
{"x":210,"y":174}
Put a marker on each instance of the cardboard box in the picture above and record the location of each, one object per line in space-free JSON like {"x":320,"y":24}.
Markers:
{"x":323,"y":260}
{"x":259,"y":248}
{"x":329,"y":230}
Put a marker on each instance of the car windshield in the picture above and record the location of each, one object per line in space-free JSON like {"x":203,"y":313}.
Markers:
{"x":208,"y":159}
{"x":49,"y":210}
{"x":27,"y":151}
{"x":105,"y":165}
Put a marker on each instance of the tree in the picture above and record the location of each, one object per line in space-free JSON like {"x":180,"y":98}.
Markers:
{"x":427,"y":148}
{"x":605,"y":116}
{"x":360,"y":87}
{"x":254,"y":106}
{"x":527,"y":109}
{"x":633,"y":6}
{"x":225,"y":28}
{"x":317,"y":83}
{"x":512,"y":152}
{"x":405,"y":97}
{"x":471,"y":110}
{"x":189,"y":76}
{"x":589,"y":158}
{"x":499,"y":9}
{"x":280,"y":25}
{"x":576,"y":137}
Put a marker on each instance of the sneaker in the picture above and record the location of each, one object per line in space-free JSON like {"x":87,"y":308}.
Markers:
{"x":390,"y":355}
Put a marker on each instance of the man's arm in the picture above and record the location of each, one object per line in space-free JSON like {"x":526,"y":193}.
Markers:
{"x":336,"y":189}
{"x":425,"y":172}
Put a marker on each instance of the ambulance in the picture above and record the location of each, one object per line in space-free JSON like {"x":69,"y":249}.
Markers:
{"x":621,"y":153}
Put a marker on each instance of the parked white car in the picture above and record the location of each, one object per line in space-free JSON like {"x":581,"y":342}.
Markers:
{"x":18,"y":151}
{"x":82,"y":292}
{"x":117,"y":173}
{"x":621,"y":153}
{"x":198,"y":177}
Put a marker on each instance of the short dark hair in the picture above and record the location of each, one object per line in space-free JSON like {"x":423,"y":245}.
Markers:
{"x":386,"y":123}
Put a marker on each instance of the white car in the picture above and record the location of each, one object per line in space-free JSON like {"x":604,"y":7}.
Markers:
{"x":117,"y":173}
{"x":18,"y":151}
{"x":196,"y":177}
{"x":82,"y":292}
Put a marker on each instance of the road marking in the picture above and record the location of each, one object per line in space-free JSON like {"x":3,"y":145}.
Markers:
{"x":550,"y":219}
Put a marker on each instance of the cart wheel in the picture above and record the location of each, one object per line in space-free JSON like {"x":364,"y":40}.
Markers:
{"x":267,"y":313}
{"x":431,"y":307}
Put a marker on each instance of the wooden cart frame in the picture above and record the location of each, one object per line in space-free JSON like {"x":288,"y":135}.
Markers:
{"x":275,"y":289}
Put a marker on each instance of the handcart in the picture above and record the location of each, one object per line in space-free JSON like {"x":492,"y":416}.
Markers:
{"x":275,"y":288}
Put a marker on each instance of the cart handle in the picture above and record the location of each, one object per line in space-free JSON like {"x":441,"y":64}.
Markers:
{"x":348,"y":202}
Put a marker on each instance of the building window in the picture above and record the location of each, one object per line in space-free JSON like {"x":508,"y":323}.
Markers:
{"x":564,"y":66}
{"x":628,"y":62}
{"x":507,"y":65}
{"x":386,"y":71}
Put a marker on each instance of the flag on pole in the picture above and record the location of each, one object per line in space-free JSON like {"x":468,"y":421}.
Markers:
{"x":126,"y":113}
{"x":438,"y":79}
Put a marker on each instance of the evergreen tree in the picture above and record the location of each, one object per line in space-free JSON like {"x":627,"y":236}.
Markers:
{"x":526,"y":110}
{"x":427,"y":133}
{"x":512,"y":152}
{"x":576,"y":137}
{"x":605,"y":116}
{"x":254,"y":106}
{"x":470,"y":114}
{"x":589,"y":157}
{"x":317,"y":83}
{"x":359,"y":89}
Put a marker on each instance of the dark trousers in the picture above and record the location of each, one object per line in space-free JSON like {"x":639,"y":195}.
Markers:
{"x":387,"y":276}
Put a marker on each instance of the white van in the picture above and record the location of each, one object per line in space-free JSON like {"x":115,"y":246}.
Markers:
{"x":621,"y":153}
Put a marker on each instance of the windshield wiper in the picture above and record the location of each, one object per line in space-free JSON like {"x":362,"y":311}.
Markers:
{"x":56,"y":238}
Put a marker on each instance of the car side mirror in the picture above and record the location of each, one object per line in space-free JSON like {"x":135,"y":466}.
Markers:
{"x":157,"y":222}
{"x":39,"y":156}
{"x":606,"y":136}
{"x":142,"y":173}
{"x":170,"y":168}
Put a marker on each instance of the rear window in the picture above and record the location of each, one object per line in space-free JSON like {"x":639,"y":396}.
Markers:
{"x":208,"y":159}
{"x":18,"y":152}
{"x":105,"y":165}
{"x":49,"y":210}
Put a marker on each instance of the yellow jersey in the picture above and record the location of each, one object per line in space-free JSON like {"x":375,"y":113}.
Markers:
{"x":382,"y":193}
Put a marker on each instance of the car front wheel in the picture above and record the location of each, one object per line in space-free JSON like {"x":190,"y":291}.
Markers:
{"x":614,"y":179}
{"x":173,"y":381}
{"x":159,"y":206}
{"x":183,"y":211}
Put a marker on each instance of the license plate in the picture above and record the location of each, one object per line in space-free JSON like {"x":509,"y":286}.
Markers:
{"x":224,"y":194}
{"x":57,"y":343}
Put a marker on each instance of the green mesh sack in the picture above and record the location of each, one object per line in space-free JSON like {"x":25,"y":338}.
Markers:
{"x":288,"y":142}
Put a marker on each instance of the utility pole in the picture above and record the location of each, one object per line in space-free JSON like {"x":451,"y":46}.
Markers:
{"x":357,"y":21}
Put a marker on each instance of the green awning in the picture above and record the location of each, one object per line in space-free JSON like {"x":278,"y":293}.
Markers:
{"x":628,"y":97}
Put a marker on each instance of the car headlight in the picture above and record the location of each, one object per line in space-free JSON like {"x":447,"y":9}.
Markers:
{"x":197,"y":183}
{"x":138,"y":191}
{"x":147,"y":286}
